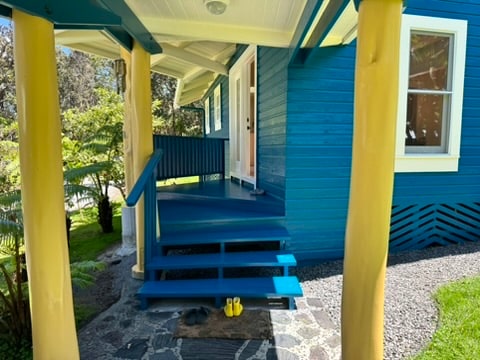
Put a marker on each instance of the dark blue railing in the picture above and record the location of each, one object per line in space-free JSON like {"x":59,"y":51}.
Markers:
{"x":146,"y":185}
{"x":189,"y":156}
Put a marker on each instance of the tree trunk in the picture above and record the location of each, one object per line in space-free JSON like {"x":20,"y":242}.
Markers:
{"x":105,"y":214}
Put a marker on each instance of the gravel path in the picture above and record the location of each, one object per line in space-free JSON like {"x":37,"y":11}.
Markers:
{"x":412,"y":277}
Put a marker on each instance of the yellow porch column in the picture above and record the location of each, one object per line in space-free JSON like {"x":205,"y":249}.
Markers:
{"x":142,"y":129}
{"x":54,"y":335}
{"x":127,"y":126}
{"x":371,"y":187}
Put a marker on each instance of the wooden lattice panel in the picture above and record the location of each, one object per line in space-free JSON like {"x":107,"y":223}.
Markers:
{"x":420,"y":226}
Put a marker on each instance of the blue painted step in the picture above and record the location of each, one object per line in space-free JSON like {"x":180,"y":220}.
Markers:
{"x":228,"y":259}
{"x":261,"y":287}
{"x":225,"y":234}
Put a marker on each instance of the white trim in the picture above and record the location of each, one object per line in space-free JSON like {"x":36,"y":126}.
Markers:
{"x":207,"y":115}
{"x":217,"y":107}
{"x":249,"y":51}
{"x":432,"y":162}
{"x":239,"y":72}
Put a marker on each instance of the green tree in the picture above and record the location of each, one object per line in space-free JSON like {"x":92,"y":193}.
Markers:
{"x":79,"y":74}
{"x":7,"y":74}
{"x":167,"y":119}
{"x":93,"y":152}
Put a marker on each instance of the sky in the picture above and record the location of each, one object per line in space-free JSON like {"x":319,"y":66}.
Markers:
{"x":4,"y":21}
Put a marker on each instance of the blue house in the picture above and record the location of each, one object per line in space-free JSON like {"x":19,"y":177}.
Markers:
{"x":278,"y":127}
{"x":289,"y":126}
{"x":286,"y":86}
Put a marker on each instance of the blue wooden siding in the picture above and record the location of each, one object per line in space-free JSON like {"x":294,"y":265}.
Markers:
{"x":305,"y":122}
{"x":464,"y":185}
{"x":319,"y":137}
{"x":429,"y":208}
{"x":444,"y":208}
{"x":271,"y":119}
{"x":223,"y":133}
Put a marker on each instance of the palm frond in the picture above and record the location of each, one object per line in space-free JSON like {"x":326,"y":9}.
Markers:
{"x":8,"y":244}
{"x":11,"y":199}
{"x":9,"y":226}
{"x":97,"y":146}
{"x":75,"y":174}
{"x":79,"y":191}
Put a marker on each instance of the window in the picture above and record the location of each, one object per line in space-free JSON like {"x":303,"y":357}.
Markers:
{"x":432,"y":66}
{"x":207,"y":116}
{"x":217,"y":104}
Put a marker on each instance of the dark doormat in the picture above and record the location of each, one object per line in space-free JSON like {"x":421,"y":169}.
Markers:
{"x":251,"y":324}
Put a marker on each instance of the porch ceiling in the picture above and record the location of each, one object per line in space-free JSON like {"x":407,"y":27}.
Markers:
{"x":196,"y":45}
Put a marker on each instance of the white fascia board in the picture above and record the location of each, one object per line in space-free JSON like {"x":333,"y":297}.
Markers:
{"x":182,"y":29}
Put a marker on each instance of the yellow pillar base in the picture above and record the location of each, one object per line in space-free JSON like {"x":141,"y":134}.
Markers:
{"x":137,"y":272}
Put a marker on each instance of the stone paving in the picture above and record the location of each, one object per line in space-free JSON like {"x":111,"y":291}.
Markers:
{"x":126,"y":332}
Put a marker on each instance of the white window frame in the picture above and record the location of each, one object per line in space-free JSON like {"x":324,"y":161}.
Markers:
{"x":217,"y":105}
{"x":432,"y":162}
{"x":207,"y":115}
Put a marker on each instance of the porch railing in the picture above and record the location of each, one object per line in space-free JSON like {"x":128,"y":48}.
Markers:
{"x":146,"y":185}
{"x":189,"y":156}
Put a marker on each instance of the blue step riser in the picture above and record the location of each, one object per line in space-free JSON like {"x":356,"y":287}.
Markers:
{"x":236,"y":259}
{"x":213,"y":223}
{"x":288,"y":287}
{"x":237,"y":204}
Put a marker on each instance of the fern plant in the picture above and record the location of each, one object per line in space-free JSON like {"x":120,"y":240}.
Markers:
{"x":15,"y":319}
{"x":15,"y":322}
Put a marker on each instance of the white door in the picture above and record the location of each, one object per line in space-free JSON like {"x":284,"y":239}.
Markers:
{"x":243,"y":121}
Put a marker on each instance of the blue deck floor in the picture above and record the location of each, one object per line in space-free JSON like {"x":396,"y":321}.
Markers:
{"x":214,"y":200}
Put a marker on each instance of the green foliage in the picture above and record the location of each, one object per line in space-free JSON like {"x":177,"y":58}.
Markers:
{"x":11,"y":351}
{"x":168,"y":120}
{"x":9,"y":160}
{"x":81,"y":272}
{"x":11,"y":223}
{"x":87,"y":242}
{"x":83,"y":314}
{"x":93,"y":154}
{"x":15,"y":322}
{"x":7,"y":74}
{"x":79,"y":74}
{"x":458,"y":335}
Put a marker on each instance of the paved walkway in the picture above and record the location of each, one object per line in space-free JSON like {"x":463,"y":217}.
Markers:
{"x":126,"y":332}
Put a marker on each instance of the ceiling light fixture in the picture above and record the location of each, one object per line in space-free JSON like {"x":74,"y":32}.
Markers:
{"x":216,"y":7}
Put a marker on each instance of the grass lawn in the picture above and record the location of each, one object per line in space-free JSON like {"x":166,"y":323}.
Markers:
{"x":178,"y":181}
{"x":86,"y":238}
{"x":458,"y":336}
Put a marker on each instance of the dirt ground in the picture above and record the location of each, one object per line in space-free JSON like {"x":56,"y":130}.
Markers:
{"x":107,"y":287}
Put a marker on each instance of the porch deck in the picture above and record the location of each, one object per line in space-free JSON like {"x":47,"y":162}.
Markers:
{"x":214,"y":201}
